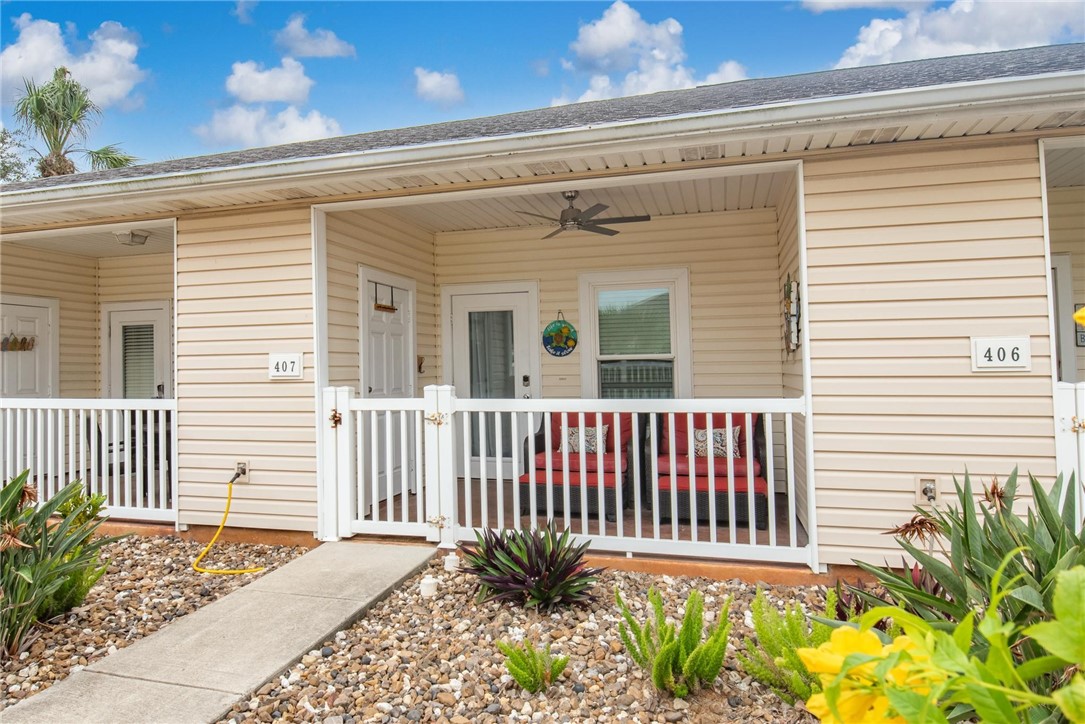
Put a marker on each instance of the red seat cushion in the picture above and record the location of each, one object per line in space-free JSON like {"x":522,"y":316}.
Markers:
{"x":700,"y":466}
{"x":760,"y":485}
{"x":592,"y":479}
{"x":700,"y":422}
{"x":591,"y":461}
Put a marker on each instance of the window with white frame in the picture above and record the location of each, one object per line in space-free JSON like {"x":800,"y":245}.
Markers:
{"x":636,"y":326}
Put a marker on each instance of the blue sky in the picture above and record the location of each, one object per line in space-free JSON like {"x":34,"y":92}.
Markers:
{"x":182,"y":79}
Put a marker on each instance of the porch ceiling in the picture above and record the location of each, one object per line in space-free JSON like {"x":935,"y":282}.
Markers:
{"x":673,"y":198}
{"x":1065,"y":167}
{"x":99,"y":241}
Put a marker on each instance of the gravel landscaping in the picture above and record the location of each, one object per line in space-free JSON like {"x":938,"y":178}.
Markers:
{"x":149,"y":583}
{"x":417,"y":659}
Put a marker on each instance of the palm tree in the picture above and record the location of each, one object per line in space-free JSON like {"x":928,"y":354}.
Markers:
{"x":61,"y":113}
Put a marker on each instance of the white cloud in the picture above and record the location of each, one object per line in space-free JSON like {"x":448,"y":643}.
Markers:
{"x":729,"y":70}
{"x":247,"y":126}
{"x":436,"y":87}
{"x":250,"y":83}
{"x":821,"y":6}
{"x":297,"y":41}
{"x":652,"y":56}
{"x":107,"y":68}
{"x":243,"y":11}
{"x":966,"y":26}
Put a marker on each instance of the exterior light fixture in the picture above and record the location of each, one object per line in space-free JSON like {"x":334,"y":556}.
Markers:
{"x":132,"y":238}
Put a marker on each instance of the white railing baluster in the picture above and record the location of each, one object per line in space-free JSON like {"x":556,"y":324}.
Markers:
{"x":514,"y":421}
{"x":532,"y":465}
{"x":657,"y":449}
{"x":498,"y":473}
{"x":672,"y":446}
{"x":619,"y":476}
{"x":583,"y":460}
{"x":789,"y":450}
{"x":483,"y":478}
{"x":374,"y":466}
{"x":360,"y":429}
{"x":770,"y":477}
{"x":404,"y":468}
{"x":548,"y":447}
{"x":566,"y":478}
{"x":419,"y":470}
{"x":691,"y":451}
{"x":710,"y":431}
{"x":750,"y":489}
{"x":388,"y":486}
{"x":637,"y":502}
{"x":732,"y":511}
{"x":468,"y":502}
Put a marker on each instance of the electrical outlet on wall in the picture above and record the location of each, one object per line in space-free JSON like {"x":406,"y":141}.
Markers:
{"x":928,"y":490}
{"x":241,"y":467}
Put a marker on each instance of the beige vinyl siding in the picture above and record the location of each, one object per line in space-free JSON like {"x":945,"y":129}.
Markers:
{"x":909,"y":256}
{"x":145,"y":277}
{"x":73,"y":280}
{"x":381,"y":241}
{"x":244,"y":289}
{"x":732,"y":258}
{"x":1066,"y":229}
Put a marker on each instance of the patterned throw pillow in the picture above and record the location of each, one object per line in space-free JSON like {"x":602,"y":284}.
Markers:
{"x":719,"y":443}
{"x":591,"y":444}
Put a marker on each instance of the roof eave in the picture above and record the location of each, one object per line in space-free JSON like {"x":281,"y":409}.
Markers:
{"x":944,"y":98}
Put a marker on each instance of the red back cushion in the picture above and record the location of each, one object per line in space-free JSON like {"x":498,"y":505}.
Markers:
{"x":605,"y":418}
{"x":700,"y":422}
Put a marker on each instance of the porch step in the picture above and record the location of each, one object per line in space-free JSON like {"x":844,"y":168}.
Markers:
{"x":196,"y":668}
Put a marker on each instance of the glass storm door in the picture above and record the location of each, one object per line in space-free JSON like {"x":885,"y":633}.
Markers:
{"x":491,"y":360}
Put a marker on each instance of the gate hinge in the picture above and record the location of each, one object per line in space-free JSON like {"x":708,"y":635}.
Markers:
{"x":1077,"y":425}
{"x":335,"y":418}
{"x":436,"y":418}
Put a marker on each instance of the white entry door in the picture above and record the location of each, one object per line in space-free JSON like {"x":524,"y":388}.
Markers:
{"x":1069,"y":388}
{"x":387,"y":371}
{"x":28,"y":363}
{"x":492,"y":351}
{"x":137,"y":365}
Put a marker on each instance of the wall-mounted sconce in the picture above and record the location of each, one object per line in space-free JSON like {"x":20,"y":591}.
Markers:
{"x":132,"y":238}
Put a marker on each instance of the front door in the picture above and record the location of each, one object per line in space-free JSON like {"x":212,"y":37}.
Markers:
{"x":138,"y":365}
{"x":27,"y":348}
{"x":387,"y":354}
{"x":491,"y":359}
{"x":1069,"y":387}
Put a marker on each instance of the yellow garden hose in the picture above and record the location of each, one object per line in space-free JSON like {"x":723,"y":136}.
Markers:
{"x":225,"y":514}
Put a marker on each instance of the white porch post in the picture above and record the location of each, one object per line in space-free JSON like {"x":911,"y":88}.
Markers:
{"x":440,"y":463}
{"x":345,"y":455}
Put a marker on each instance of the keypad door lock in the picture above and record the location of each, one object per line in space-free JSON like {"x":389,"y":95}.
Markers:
{"x":526,"y":381}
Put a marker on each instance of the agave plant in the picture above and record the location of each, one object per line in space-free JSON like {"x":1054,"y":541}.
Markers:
{"x":538,"y":567}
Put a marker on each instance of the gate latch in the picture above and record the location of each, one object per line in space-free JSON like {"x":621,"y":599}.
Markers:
{"x":335,"y":418}
{"x":436,"y":418}
{"x":1077,"y":425}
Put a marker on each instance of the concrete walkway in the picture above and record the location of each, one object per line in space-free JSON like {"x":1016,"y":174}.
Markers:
{"x":196,"y":668}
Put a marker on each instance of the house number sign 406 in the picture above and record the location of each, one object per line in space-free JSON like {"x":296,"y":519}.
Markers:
{"x":1001,"y":353}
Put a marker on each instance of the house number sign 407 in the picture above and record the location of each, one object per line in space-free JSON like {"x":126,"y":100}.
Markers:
{"x":1001,"y":353}
{"x":282,"y":366}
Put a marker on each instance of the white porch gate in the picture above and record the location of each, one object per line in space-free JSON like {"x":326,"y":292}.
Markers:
{"x":639,"y":494}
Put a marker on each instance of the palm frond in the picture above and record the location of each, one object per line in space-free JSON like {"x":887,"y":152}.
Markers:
{"x":108,"y":157}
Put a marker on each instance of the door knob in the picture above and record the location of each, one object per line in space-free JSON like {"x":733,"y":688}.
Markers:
{"x":527,"y":395}
{"x":370,"y":389}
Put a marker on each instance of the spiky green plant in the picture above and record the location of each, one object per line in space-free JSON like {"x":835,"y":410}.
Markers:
{"x":39,"y":556}
{"x":680,"y":660}
{"x":534,"y":669}
{"x":770,"y":655}
{"x":82,"y":509}
{"x":538,"y":567}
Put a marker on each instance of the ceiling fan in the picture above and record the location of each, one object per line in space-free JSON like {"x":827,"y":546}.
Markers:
{"x":573,"y":219}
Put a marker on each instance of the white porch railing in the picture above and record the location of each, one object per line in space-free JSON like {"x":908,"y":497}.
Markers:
{"x":709,"y":478}
{"x":123,"y":449}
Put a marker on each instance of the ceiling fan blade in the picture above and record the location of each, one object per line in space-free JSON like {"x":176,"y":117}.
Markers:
{"x":529,"y":213}
{"x":592,"y":211}
{"x":623,"y":219}
{"x":555,"y":232}
{"x":593,"y":228}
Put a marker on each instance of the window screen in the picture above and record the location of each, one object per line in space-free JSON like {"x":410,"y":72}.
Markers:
{"x":635,"y":356}
{"x":137,"y":348}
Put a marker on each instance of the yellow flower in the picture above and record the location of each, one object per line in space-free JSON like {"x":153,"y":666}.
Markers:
{"x":829,"y":657}
{"x":855,"y":707}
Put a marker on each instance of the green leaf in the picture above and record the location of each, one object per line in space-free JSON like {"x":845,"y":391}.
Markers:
{"x":1071,"y":699}
{"x":915,"y":707}
{"x":1065,"y":637}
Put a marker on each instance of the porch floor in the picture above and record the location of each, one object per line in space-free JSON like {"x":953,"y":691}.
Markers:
{"x":505,"y":516}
